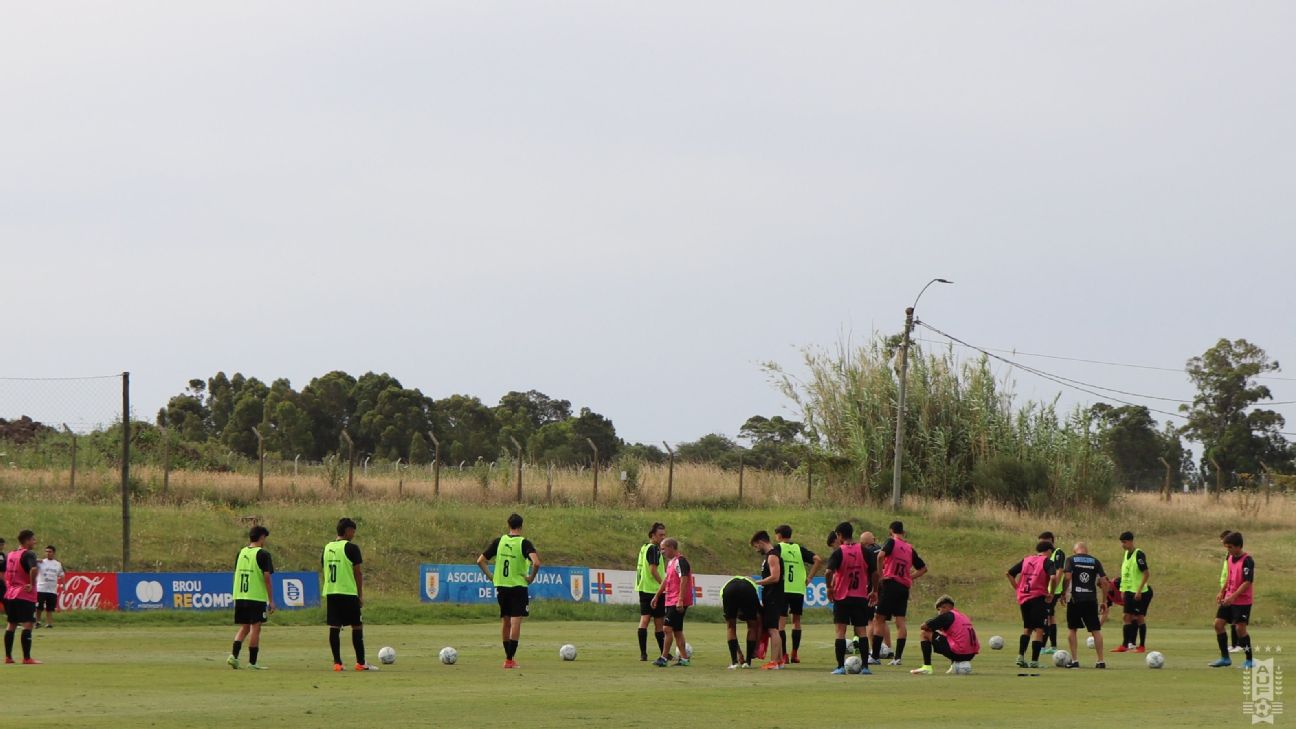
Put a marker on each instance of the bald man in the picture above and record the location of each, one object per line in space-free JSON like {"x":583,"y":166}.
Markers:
{"x":871,"y":546}
{"x":1083,"y":585}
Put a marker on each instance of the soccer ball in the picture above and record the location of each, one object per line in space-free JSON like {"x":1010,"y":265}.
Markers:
{"x":688,"y":651}
{"x":854,"y":664}
{"x":567,"y":652}
{"x":387,"y":655}
{"x":1090,"y":642}
{"x":449,"y":656}
{"x":963,"y":668}
{"x":996,"y":642}
{"x":1155,"y":659}
{"x":1061,"y":659}
{"x":885,"y":651}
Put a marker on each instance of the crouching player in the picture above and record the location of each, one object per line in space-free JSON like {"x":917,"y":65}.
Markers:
{"x":950,"y":634}
{"x":740,"y":601}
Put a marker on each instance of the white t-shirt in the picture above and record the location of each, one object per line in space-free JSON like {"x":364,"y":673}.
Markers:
{"x":48,"y":572}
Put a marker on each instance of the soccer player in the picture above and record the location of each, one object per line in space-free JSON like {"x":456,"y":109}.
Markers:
{"x":344,"y":593}
{"x":1234,"y":646}
{"x":20,"y":595}
{"x":794,"y":557}
{"x":740,"y":601}
{"x":773,"y":604}
{"x":852,"y":585}
{"x":648,"y":577}
{"x":869,"y":542}
{"x":253,"y":596}
{"x":49,"y":580}
{"x":676,"y":593}
{"x":900,"y":566}
{"x":1134,"y":577}
{"x":1082,"y":580}
{"x":1235,"y":601}
{"x":1033,"y":579}
{"x":949,"y":634}
{"x":1058,"y":557}
{"x":512,"y":578}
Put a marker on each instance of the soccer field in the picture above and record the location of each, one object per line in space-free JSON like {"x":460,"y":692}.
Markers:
{"x":176,"y":676}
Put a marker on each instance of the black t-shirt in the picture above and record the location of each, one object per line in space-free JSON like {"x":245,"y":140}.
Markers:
{"x":1248,"y":568}
{"x":528,"y":548}
{"x":775,"y":588}
{"x":944,"y":621}
{"x":1049,"y":567}
{"x":918,"y":563}
{"x":1085,"y":571}
{"x":28,"y":561}
{"x":653,"y":556}
{"x":351,"y":551}
{"x":266,"y":564}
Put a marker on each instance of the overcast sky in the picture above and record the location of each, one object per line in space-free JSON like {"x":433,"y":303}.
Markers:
{"x":632,"y":205}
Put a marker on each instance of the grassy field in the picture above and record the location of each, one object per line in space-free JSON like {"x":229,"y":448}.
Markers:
{"x":166,"y":676}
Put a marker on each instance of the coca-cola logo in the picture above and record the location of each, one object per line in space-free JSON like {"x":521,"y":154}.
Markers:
{"x":89,"y":591}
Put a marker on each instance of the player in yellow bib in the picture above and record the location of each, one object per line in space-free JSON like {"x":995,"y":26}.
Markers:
{"x":516,"y":565}
{"x":253,"y":596}
{"x":649,"y":571}
{"x":343,"y":590}
{"x":800,"y":565}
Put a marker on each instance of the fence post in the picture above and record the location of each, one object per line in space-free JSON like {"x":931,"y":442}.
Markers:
{"x":1165,"y":490}
{"x":72,"y":479}
{"x":670,"y":473}
{"x":809,"y":476}
{"x":260,"y":463}
{"x":518,"y":446}
{"x":596,"y":467}
{"x":400,"y":480}
{"x":346,"y":437}
{"x":125,"y":472}
{"x":549,"y":484}
{"x":740,"y":479}
{"x":296,"y":460}
{"x":365,"y":469}
{"x":166,"y":460}
{"x":436,"y":465}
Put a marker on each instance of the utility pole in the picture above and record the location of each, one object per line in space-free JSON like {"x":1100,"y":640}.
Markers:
{"x":897,"y":467}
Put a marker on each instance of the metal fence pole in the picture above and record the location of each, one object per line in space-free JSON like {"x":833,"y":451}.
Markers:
{"x":125,"y":472}
{"x":436,"y":465}
{"x":72,"y":477}
{"x":346,"y":437}
{"x":260,"y":463}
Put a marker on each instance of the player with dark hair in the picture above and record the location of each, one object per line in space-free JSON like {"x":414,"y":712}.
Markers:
{"x":868,"y":541}
{"x":1083,"y":579}
{"x":1058,"y":557}
{"x":740,"y":601}
{"x":1033,"y":579}
{"x":852,"y":585}
{"x":796,"y":575}
{"x":900,"y":566}
{"x":648,"y":577}
{"x":1234,"y":645}
{"x":676,"y":593}
{"x":344,"y":593}
{"x":49,"y":580}
{"x":773,"y":604}
{"x":512,"y":578}
{"x":1134,"y":576}
{"x":20,"y":595}
{"x":949,"y":634}
{"x":1235,"y":599}
{"x":253,"y":596}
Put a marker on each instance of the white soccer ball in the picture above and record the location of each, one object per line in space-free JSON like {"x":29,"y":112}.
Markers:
{"x":996,"y":642}
{"x":854,"y":664}
{"x":567,"y":652}
{"x":963,"y":668}
{"x":885,"y":651}
{"x":688,"y":651}
{"x":1061,"y":659}
{"x":1155,"y":659}
{"x":387,"y":655}
{"x":449,"y":656}
{"x":1090,"y":642}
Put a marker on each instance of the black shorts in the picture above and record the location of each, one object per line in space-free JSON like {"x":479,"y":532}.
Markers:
{"x":646,"y":608}
{"x":20,"y":611}
{"x":675,"y":617}
{"x":1083,"y":615}
{"x":1236,"y":614}
{"x":773,"y":607}
{"x":740,"y":601}
{"x":1033,"y":613}
{"x":513,"y":601}
{"x":940,"y":644}
{"x":342,"y":610}
{"x":1138,"y":605}
{"x":795,"y":602}
{"x":47,"y":601}
{"x":852,"y":611}
{"x":893,"y":602}
{"x":250,"y":612}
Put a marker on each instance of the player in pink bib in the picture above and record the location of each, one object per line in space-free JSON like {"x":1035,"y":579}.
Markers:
{"x":20,"y":595}
{"x":1033,"y":579}
{"x":950,"y":634}
{"x":1234,"y":600}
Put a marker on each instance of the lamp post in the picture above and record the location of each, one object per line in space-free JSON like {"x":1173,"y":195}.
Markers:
{"x":900,"y":404}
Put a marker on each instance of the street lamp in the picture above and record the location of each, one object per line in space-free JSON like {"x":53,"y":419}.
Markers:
{"x":900,"y":404}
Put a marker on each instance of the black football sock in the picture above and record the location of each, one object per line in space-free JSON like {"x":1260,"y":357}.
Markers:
{"x":1233,"y":635}
{"x":26,"y":645}
{"x":751,"y":651}
{"x":511,"y":650}
{"x":252,"y":654}
{"x":839,"y":647}
{"x":899,"y":651}
{"x":1052,"y":635}
{"x":335,"y":643}
{"x":1222,"y":639}
{"x":1021,"y":645}
{"x":643,"y":641}
{"x":9,"y":636}
{"x":1142,"y":632}
{"x":238,"y":646}
{"x":357,"y":642}
{"x":796,"y":640}
{"x":926,"y":649}
{"x":877,"y":647}
{"x":733,"y":650}
{"x":661,"y":642}
{"x":1131,"y":630}
{"x":783,"y":641}
{"x":1246,"y":643}
{"x":1036,"y":647}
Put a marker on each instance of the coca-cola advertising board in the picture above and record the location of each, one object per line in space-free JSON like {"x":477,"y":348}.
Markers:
{"x":88,"y":591}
